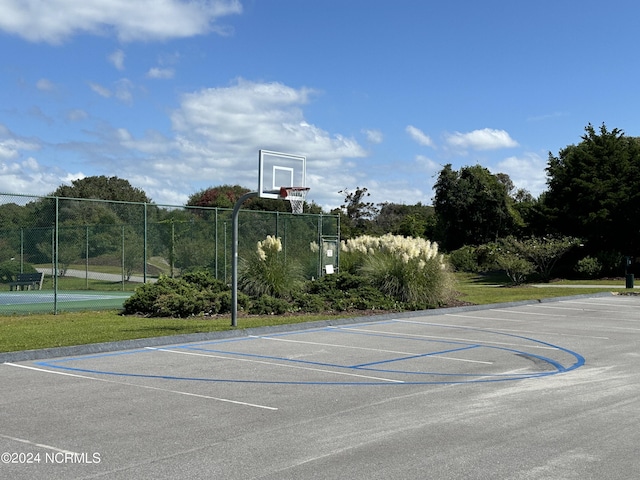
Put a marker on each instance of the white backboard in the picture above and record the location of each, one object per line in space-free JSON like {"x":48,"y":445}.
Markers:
{"x":276,"y":170}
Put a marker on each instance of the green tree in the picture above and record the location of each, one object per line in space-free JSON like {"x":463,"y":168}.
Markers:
{"x":543,"y":253}
{"x":226,"y":196}
{"x":593,"y":190}
{"x":103,"y":188}
{"x":473,"y":207}
{"x":76,"y":207}
{"x":356,"y":213}
{"x":406,"y":220}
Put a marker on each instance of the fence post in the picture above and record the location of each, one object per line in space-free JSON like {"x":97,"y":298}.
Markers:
{"x":215,"y":236}
{"x":144,"y":246}
{"x":320,"y":246}
{"x":22,"y":250}
{"x":86,"y":257}
{"x":122,"y":256}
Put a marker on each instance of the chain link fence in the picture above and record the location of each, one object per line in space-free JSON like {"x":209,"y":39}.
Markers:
{"x":91,"y":254}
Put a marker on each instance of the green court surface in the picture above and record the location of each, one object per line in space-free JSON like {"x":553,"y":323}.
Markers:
{"x":39,"y":301}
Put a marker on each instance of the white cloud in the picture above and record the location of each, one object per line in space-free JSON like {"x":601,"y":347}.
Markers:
{"x":54,"y":21}
{"x":419,"y":136}
{"x":526,"y":171}
{"x":28,"y":176}
{"x":427,"y":164}
{"x":547,"y":116}
{"x":373,"y":136}
{"x":216,"y":135}
{"x":218,"y":132}
{"x":485,"y":139}
{"x":215,"y":138}
{"x":76,"y":115}
{"x":100,"y":90}
{"x":117,"y":59}
{"x":45,"y":85}
{"x":11,"y":145}
{"x":122,"y":90}
{"x":161,"y":73}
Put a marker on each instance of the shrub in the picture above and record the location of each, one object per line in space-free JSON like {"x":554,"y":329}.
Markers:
{"x":611,"y":262}
{"x":146,"y":295}
{"x":204,"y":279}
{"x":588,"y":267}
{"x":9,"y":270}
{"x":266,"y":272}
{"x":183,"y":297}
{"x":336,"y":283}
{"x":464,"y":259}
{"x":410,"y":270}
{"x":268,"y":305}
{"x":308,"y":302}
{"x":515,"y":267}
{"x":345,"y":291}
{"x":176,"y":305}
{"x":542,"y":252}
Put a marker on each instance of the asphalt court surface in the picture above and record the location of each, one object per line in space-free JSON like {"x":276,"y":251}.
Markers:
{"x":531,"y":390}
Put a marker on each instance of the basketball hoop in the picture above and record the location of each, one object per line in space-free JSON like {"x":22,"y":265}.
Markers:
{"x":296,"y":197}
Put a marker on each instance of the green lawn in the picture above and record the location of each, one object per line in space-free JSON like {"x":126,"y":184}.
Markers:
{"x":487,"y":289}
{"x":77,"y":328}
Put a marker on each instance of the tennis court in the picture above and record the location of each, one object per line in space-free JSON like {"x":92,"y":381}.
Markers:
{"x":35,"y":301}
{"x":530,"y":390}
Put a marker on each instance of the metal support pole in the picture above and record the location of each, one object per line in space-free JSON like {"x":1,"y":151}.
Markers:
{"x":86,"y":257}
{"x":234,"y":256}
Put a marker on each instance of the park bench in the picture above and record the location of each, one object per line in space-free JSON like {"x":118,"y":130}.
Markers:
{"x":28,"y":280}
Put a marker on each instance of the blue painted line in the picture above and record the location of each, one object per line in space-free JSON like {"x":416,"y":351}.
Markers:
{"x":403,"y":337}
{"x":558,"y":366}
{"x":444,"y":378}
{"x":270,"y":357}
{"x":410,"y":357}
{"x":279,"y":382}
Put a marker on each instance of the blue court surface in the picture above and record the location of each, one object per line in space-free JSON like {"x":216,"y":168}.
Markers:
{"x":532,"y":390}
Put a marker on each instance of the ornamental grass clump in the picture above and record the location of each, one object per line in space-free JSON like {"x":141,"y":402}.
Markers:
{"x":267,"y":271}
{"x":408,"y":269}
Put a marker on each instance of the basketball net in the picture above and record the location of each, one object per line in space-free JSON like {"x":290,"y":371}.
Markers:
{"x":296,"y":197}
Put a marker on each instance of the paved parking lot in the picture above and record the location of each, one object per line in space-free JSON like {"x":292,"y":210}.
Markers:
{"x":524,"y":391}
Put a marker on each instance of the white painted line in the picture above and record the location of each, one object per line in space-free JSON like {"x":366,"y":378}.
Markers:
{"x":351,"y":347}
{"x":485,"y":318}
{"x":376,"y":349}
{"x":540,"y":332}
{"x":518,"y":312}
{"x":178,"y":392}
{"x":554,"y":307}
{"x":592,"y":303}
{"x":511,"y":330}
{"x":607,"y":327}
{"x":274,"y":364}
{"x":55,"y":372}
{"x":530,"y":344}
{"x":40,"y":445}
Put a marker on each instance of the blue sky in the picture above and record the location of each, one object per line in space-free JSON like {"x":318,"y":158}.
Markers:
{"x":177,"y":96}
